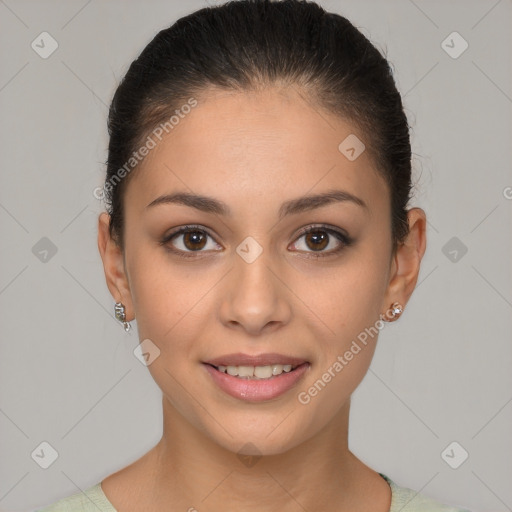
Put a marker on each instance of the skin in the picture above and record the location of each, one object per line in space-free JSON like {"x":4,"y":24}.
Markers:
{"x":254,"y":151}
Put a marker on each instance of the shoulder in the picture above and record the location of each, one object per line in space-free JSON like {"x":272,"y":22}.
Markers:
{"x":90,"y":500}
{"x":406,"y":500}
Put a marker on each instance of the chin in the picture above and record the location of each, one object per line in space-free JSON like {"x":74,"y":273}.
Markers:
{"x":257,"y":447}
{"x":272,"y":437}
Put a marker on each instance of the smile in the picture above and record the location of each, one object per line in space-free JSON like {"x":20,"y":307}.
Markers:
{"x":256,"y":383}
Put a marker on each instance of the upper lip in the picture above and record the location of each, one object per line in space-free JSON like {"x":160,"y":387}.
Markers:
{"x":240,"y":359}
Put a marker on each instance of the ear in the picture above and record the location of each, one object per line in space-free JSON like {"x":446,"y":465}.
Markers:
{"x":405,"y":266}
{"x":114,"y":267}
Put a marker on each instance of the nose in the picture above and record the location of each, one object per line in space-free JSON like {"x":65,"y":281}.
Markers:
{"x":255,"y":299}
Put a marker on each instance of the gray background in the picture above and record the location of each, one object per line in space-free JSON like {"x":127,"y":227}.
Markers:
{"x":68,"y":375}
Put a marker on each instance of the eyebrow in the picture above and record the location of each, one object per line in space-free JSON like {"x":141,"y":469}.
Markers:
{"x":291,"y":207}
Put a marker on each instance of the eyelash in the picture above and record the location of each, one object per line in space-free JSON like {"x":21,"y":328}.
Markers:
{"x":341,"y":237}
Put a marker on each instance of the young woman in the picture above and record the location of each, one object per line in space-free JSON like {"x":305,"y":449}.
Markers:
{"x":258,"y":178}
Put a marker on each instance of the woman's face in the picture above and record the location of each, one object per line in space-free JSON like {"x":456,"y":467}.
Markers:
{"x":244,"y":281}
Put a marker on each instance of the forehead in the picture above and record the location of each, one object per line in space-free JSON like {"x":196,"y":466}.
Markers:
{"x":250,"y":149}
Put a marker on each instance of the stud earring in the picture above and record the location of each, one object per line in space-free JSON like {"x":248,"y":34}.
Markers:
{"x":395,"y":310}
{"x":120,"y":315}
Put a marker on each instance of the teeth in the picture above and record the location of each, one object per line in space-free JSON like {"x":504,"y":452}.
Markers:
{"x":277,"y":369}
{"x":258,"y":372}
{"x":246,"y":371}
{"x":263,"y":372}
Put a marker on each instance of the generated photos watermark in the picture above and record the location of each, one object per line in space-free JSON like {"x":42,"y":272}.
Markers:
{"x":151,"y":142}
{"x":304,"y":397}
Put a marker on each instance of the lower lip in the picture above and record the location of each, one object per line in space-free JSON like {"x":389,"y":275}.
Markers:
{"x":257,"y":390}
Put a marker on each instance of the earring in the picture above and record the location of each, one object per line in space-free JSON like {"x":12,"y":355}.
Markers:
{"x":395,"y":310}
{"x":120,"y":315}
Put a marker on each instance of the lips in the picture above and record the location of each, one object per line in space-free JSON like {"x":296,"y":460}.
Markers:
{"x":288,"y":371}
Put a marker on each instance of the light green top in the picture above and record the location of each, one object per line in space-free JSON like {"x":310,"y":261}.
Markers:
{"x":402,"y":500}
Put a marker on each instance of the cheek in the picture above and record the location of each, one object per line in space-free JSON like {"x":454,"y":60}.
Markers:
{"x":350,"y":306}
{"x":348,"y":297}
{"x":173,"y":303}
{"x":157,"y":294}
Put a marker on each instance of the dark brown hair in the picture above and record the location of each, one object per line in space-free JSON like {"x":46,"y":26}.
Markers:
{"x":249,"y":44}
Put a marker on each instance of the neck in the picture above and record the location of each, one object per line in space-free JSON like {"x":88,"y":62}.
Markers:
{"x":189,"y":469}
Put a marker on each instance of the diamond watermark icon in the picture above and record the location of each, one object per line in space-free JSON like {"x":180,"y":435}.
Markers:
{"x":249,"y":249}
{"x":249,"y":460}
{"x":44,"y":455}
{"x":44,"y":250}
{"x":454,"y":45}
{"x":146,"y":352}
{"x":454,"y":249}
{"x":351,"y":147}
{"x":454,"y":455}
{"x":44,"y":45}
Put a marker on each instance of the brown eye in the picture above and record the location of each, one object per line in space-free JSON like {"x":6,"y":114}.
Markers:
{"x":322,"y":240}
{"x":194,"y":240}
{"x":317,"y":240}
{"x":189,"y":240}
